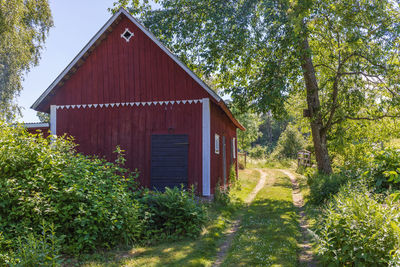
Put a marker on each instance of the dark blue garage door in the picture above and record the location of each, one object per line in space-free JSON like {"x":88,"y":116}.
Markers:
{"x":169,"y":161}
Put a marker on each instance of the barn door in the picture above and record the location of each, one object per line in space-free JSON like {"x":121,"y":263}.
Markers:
{"x":169,"y":161}
{"x":224,"y":159}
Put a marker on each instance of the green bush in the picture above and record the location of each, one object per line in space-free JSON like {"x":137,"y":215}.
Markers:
{"x":323,"y":186}
{"x":5,"y":248}
{"x":289,"y":143}
{"x":172,"y":214}
{"x":32,"y":250}
{"x":359,"y":230}
{"x":258,"y":152}
{"x":87,"y":199}
{"x":43,"y":250}
{"x":221,"y":195}
{"x":381,"y":163}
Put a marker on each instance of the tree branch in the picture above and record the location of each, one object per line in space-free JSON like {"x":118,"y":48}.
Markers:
{"x":325,"y":66}
{"x":372,"y":118}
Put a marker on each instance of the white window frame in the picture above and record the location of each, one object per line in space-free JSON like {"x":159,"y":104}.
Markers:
{"x":127,"y":38}
{"x":216,"y":143}
{"x":234,"y":147}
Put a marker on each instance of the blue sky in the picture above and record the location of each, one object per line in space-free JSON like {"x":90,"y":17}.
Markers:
{"x":75,"y":23}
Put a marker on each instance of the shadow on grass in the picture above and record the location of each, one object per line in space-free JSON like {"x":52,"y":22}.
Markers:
{"x":269,"y":231}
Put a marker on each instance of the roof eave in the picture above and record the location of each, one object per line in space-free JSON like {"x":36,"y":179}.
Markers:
{"x":225,"y":108}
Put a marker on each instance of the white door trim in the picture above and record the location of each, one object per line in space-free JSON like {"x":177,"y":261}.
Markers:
{"x":206,"y":146}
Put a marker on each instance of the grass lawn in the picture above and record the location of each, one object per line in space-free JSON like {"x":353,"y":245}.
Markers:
{"x":188,"y":252}
{"x":270,"y":163}
{"x":270,"y":230}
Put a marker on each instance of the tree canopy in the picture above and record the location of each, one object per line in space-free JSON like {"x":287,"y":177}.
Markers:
{"x":24,"y":26}
{"x":343,"y":56}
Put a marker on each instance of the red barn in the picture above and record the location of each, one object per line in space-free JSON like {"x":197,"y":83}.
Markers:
{"x":126,"y":88}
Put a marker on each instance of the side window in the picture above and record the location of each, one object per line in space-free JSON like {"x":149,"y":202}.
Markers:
{"x":216,"y":144}
{"x":234,"y":148}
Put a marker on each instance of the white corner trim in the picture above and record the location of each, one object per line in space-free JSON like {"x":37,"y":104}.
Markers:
{"x":206,"y":157}
{"x":53,"y":119}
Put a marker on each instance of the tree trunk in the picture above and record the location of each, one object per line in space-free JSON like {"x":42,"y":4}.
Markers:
{"x":317,"y":127}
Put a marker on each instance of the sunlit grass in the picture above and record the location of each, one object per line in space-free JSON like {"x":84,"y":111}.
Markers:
{"x":270,"y":230}
{"x":270,"y":163}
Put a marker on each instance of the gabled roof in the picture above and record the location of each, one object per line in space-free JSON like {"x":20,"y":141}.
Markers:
{"x":78,"y":60}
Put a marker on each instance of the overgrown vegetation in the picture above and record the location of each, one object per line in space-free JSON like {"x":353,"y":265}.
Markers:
{"x":170,"y":215}
{"x":359,"y":221}
{"x":89,"y":203}
{"x":324,"y":186}
{"x":359,"y":229}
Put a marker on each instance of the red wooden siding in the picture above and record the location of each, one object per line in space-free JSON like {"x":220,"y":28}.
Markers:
{"x":116,"y":71}
{"x":223,"y":126}
{"x":120,"y":71}
{"x":99,"y":130}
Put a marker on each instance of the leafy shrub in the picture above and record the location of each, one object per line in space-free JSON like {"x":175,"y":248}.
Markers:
{"x":381,"y":164}
{"x":5,"y":246}
{"x":87,"y":199}
{"x":358,"y":230}
{"x":323,"y":186}
{"x":289,"y":143}
{"x":39,"y":251}
{"x":221,"y":195}
{"x":258,"y":152}
{"x":171,"y":214}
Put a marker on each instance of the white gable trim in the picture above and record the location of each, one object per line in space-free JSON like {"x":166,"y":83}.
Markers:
{"x":123,"y":104}
{"x":98,"y":35}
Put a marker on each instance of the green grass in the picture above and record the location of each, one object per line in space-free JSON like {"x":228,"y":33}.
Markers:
{"x":270,"y":163}
{"x":188,"y":252}
{"x":270,"y":230}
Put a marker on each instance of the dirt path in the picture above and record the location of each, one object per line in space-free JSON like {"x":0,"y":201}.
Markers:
{"x":230,"y":234}
{"x":306,"y":256}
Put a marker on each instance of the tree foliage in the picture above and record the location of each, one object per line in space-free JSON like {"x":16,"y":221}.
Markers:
{"x":342,"y":55}
{"x":289,"y":143}
{"x":251,"y":122}
{"x":271,"y":129}
{"x":43,"y":117}
{"x":24,"y":26}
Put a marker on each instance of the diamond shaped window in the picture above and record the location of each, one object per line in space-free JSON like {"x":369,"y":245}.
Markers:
{"x":127,"y":35}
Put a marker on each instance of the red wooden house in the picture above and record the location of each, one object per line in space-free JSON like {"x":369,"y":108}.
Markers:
{"x":126,"y":88}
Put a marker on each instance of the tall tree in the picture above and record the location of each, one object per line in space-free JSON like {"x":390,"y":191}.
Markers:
{"x":343,"y":54}
{"x":251,"y":122}
{"x":24,"y":26}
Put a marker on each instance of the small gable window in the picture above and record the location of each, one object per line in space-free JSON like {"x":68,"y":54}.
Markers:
{"x":127,"y":35}
{"x":216,"y":144}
